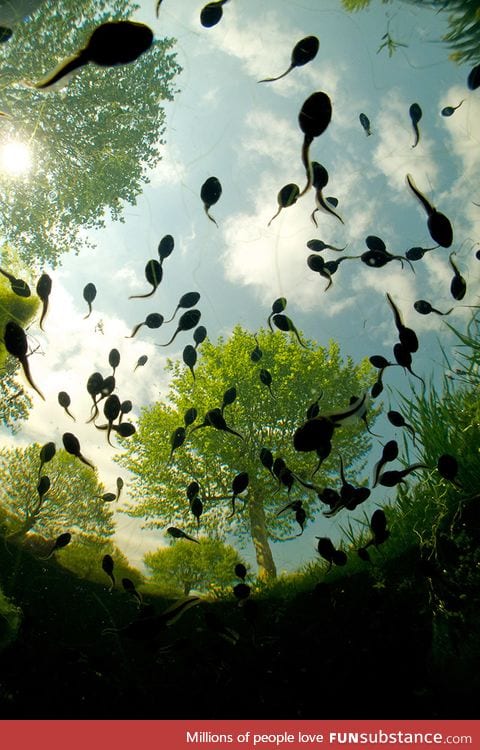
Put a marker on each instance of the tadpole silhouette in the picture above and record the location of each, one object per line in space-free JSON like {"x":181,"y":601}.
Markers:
{"x":112,"y":43}
{"x":210,"y":193}
{"x":304,"y":52}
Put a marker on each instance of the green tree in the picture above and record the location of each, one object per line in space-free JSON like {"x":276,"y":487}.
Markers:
{"x":92,"y":143}
{"x":207,"y":566}
{"x":71,"y":504}
{"x":263,"y":418}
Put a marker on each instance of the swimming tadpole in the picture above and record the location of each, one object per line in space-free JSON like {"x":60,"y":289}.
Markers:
{"x":408,"y":337}
{"x":18,"y":286}
{"x":365,"y":123}
{"x":304,"y":52}
{"x":199,"y":335}
{"x":319,"y":181}
{"x":112,"y":43}
{"x":392,"y":478}
{"x":229,"y":398}
{"x":107,"y":567}
{"x":152,"y":321}
{"x":210,"y":193}
{"x":317,"y":264}
{"x":284,"y":323}
{"x":190,"y":416}
{"x":425,"y":308}
{"x":141,"y":361}
{"x":114,"y":359}
{"x":256,"y":354}
{"x":266,"y":379}
{"x":72,"y":446}
{"x":165,"y":247}
{"x":16,"y":344}
{"x":318,"y":245}
{"x":186,"y":322}
{"x":179,"y":534}
{"x":395,"y":418}
{"x":239,"y":484}
{"x":177,"y":439}
{"x":473,"y":80}
{"x":403,"y":358}
{"x":448,"y":111}
{"x":89,"y":294}
{"x":196,"y":507}
{"x":189,"y":356}
{"x":389,"y":453}
{"x":186,"y":301}
{"x":43,"y":289}
{"x":327,"y":550}
{"x":438,"y":224}
{"x":458,"y":287}
{"x":212,"y":13}
{"x":60,"y":542}
{"x":47,"y":452}
{"x":314,"y":118}
{"x":286,"y":197}
{"x":111,"y":410}
{"x":278,"y":307}
{"x":64,"y":400}
{"x":153,"y":275}
{"x":214,"y":418}
{"x":415,"y":113}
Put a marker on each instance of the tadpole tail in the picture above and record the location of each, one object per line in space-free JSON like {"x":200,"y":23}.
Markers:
{"x":143,"y":296}
{"x":228,"y":429}
{"x":169,"y":342}
{"x":275,"y":215}
{"x":417,"y":136}
{"x":307,"y":163}
{"x":109,"y":430}
{"x":26,"y":370}
{"x":209,"y":216}
{"x":312,"y":216}
{"x":67,"y":66}
{"x":424,"y":201}
{"x":44,"y":312}
{"x":326,"y":207}
{"x":134,"y":332}
{"x":269,"y":80}
{"x":69,"y":413}
{"x":89,"y":311}
{"x":85,"y":461}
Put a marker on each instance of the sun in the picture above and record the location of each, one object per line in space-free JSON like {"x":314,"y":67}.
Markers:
{"x":15,"y":158}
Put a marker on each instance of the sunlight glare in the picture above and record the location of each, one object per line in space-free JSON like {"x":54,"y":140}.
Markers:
{"x":15,"y":158}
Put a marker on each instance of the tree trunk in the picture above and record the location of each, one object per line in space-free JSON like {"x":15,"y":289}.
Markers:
{"x":266,"y":565}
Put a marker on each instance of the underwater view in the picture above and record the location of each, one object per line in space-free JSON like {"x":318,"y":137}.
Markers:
{"x":240,"y":359}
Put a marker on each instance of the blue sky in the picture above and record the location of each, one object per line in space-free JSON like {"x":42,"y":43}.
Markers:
{"x":223,"y":123}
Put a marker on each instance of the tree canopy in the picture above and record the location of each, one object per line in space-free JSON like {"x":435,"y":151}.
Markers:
{"x":92,"y":143}
{"x":265,"y":417}
{"x":72,"y":502}
{"x":184,"y":566}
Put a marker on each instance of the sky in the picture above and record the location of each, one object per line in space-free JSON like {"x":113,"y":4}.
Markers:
{"x":223,"y":122}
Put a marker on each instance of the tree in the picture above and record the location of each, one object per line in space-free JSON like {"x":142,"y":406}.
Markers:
{"x":92,"y":143}
{"x":71,"y":504}
{"x":264,"y":418}
{"x":184,"y":565}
